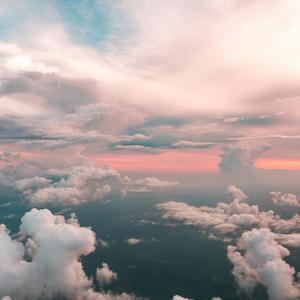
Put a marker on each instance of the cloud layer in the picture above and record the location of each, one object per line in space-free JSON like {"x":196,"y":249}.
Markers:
{"x":257,"y":239}
{"x":138,"y":92}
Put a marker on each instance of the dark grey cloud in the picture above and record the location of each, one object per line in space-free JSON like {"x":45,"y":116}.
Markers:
{"x":58,"y":92}
{"x":18,"y":128}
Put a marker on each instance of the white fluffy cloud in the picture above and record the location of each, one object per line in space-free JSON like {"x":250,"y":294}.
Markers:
{"x":82,"y":183}
{"x":133,"y":241}
{"x":288,"y":199}
{"x":262,"y":263}
{"x":32,"y":183}
{"x":258,"y":254}
{"x":54,"y":268}
{"x":229,"y":218}
{"x":145,"y":185}
{"x":176,"y":297}
{"x":105,"y":275}
{"x":76,"y":185}
{"x":290,"y":239}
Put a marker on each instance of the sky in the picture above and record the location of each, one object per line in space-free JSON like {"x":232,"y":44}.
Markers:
{"x":125,"y":81}
{"x":129,"y":97}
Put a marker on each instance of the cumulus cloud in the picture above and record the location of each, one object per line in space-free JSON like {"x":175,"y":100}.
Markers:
{"x":32,"y":183}
{"x":133,"y":241}
{"x":235,"y":193}
{"x":262,"y":263}
{"x":176,"y":297}
{"x":80,"y":184}
{"x":105,"y":275}
{"x":54,"y":268}
{"x":147,"y":184}
{"x":257,"y":241}
{"x":290,"y":240}
{"x":77,"y":184}
{"x":229,"y":219}
{"x":235,"y":159}
{"x":288,"y":199}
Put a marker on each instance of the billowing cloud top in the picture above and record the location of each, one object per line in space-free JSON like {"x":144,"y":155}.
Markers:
{"x":48,"y":265}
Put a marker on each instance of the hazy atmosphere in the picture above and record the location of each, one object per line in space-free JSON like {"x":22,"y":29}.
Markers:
{"x":149,"y":150}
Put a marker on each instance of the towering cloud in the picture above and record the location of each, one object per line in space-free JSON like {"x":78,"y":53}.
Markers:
{"x":262,"y":263}
{"x":52,"y":266}
{"x":240,"y":160}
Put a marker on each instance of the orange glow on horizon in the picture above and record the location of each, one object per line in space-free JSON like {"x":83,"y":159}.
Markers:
{"x":278,"y":164}
{"x":167,"y":161}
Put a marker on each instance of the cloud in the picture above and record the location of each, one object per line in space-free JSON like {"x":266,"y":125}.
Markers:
{"x":259,"y":120}
{"x":154,"y":182}
{"x":8,"y":157}
{"x":133,"y":148}
{"x":240,"y":160}
{"x":32,"y":183}
{"x":154,"y":53}
{"x":52,"y":101}
{"x":55,"y":91}
{"x":103,"y":243}
{"x":257,"y":241}
{"x":80,"y":184}
{"x":176,"y":297}
{"x":235,"y":193}
{"x":77,"y":184}
{"x":145,"y":185}
{"x":285,"y":199}
{"x":191,"y":144}
{"x":54,"y":267}
{"x":133,"y":241}
{"x":228,"y":220}
{"x":262,"y":263}
{"x":289,"y":240}
{"x":105,"y":275}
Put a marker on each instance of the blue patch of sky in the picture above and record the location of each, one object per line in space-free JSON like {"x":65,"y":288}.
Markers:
{"x":97,"y":23}
{"x":93,"y":22}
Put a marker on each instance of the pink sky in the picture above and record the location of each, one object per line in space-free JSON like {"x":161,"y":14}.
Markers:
{"x":184,"y":161}
{"x":167,"y":161}
{"x":172,"y":160}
